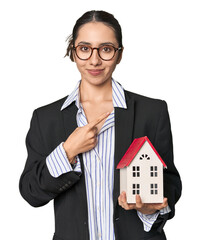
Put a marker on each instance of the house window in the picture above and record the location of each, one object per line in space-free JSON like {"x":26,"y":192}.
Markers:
{"x":154,"y":171}
{"x":136,"y":189}
{"x":136,"y":171}
{"x":144,"y":156}
{"x":154,"y":189}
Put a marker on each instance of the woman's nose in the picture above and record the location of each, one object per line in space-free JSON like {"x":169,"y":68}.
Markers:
{"x":95,"y":59}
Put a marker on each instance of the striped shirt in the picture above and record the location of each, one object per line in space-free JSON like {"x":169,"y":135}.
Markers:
{"x":98,"y":169}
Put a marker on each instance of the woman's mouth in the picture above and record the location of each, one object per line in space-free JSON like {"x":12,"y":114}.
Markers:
{"x":95,"y":72}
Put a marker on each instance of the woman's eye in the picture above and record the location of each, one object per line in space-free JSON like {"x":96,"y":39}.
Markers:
{"x":84,"y":49}
{"x":107,"y":49}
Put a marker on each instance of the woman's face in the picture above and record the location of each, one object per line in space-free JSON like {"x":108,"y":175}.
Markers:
{"x":95,"y":70}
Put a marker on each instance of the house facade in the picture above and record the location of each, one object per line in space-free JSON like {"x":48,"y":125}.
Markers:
{"x":141,"y":172}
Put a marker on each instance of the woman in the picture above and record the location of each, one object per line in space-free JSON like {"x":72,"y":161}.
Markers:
{"x":75,"y":144}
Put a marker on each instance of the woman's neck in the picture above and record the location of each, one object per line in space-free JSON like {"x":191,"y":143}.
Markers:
{"x":95,"y":93}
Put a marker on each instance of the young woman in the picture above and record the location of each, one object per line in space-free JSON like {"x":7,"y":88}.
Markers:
{"x":75,"y":144}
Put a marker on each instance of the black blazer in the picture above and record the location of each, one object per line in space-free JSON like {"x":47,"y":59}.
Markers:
{"x":50,"y":126}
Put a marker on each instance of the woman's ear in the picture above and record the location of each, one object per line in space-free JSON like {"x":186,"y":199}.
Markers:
{"x":73,"y":54}
{"x":120,"y":56}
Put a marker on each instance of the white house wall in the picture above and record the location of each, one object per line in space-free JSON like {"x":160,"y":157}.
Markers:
{"x":123,"y":180}
{"x":145,"y":179}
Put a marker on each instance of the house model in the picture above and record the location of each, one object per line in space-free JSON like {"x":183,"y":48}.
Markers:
{"x":141,"y":172}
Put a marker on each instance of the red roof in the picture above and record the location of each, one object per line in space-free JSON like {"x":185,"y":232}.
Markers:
{"x":133,"y":150}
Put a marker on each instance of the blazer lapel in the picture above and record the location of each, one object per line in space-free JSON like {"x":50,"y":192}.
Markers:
{"x":69,"y":119}
{"x":124,"y":125}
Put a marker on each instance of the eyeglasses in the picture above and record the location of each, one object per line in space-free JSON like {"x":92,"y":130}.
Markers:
{"x":105,"y":52}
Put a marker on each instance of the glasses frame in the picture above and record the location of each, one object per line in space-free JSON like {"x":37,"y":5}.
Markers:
{"x":92,"y":50}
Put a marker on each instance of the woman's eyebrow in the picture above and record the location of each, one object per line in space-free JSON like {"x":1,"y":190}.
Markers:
{"x":84,"y":43}
{"x":107,"y":43}
{"x":101,"y":44}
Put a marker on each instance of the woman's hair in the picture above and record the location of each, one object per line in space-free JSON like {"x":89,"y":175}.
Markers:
{"x":93,"y":16}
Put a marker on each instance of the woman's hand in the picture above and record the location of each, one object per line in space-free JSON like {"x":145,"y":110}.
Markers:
{"x":144,"y":208}
{"x":83,"y":139}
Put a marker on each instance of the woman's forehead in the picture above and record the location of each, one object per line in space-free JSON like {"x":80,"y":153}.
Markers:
{"x":96,"y":33}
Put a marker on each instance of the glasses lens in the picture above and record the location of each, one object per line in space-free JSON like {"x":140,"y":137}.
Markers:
{"x":106,"y":52}
{"x":83,"y":52}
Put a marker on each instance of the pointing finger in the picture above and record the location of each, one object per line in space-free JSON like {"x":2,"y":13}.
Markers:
{"x":98,"y":120}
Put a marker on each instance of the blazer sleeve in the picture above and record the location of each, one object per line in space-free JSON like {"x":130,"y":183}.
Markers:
{"x":163,"y":143}
{"x":37,"y":186}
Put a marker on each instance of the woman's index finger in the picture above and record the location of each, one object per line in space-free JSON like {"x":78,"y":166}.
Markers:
{"x":99,"y":119}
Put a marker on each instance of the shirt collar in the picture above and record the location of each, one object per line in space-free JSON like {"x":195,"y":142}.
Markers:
{"x":118,"y":96}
